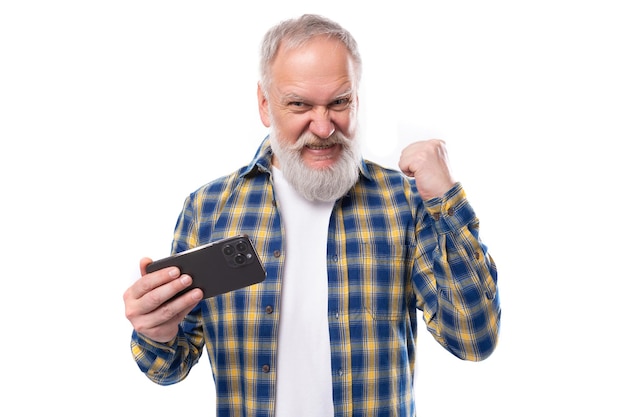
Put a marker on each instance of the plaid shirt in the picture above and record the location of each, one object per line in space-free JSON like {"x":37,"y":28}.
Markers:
{"x":389,"y":254}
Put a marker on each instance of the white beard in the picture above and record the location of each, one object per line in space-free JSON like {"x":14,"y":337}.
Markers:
{"x":322,"y":184}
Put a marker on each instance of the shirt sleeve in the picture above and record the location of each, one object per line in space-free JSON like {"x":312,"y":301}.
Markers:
{"x":456,"y":279}
{"x":169,"y":363}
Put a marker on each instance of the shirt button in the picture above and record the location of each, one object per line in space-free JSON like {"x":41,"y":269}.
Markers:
{"x":276,"y":254}
{"x":340,"y":372}
{"x":337,"y":315}
{"x":477,"y":255}
{"x":266,"y":368}
{"x":450,"y":211}
{"x":436,"y":216}
{"x":335,"y":258}
{"x":269,"y":310}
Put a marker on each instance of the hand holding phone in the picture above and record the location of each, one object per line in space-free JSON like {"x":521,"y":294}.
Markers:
{"x":217,"y":267}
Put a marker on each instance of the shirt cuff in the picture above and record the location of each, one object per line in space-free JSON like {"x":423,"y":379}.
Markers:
{"x":451,"y":212}
{"x":153,"y":345}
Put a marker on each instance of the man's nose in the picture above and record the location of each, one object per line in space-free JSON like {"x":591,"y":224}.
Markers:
{"x":321,"y":124}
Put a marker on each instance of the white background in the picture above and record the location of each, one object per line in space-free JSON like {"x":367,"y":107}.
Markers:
{"x":111,"y":112}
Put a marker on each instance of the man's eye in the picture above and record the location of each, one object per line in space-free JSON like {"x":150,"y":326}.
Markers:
{"x":340,"y":103}
{"x":296,"y":104}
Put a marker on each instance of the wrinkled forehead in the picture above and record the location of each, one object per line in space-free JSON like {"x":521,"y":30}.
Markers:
{"x":320,"y":57}
{"x":291,"y":46}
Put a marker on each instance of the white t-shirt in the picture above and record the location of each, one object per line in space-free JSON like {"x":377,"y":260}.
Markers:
{"x":304,"y":379}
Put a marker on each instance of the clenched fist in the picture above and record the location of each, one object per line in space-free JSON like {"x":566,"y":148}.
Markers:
{"x":427,"y":162}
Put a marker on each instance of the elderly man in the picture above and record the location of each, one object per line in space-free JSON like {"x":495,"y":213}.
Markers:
{"x":352,"y":252}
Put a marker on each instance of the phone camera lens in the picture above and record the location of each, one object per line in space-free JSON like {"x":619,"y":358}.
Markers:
{"x":241,"y":246}
{"x":228,"y":250}
{"x":240,"y":259}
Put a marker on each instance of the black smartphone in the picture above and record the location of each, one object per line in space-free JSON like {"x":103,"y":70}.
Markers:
{"x":217,"y":267}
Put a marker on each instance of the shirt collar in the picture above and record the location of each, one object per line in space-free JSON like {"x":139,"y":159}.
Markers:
{"x":262,"y":162}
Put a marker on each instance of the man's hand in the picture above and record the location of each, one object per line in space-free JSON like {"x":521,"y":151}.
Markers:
{"x":148,"y":305}
{"x":427,"y":162}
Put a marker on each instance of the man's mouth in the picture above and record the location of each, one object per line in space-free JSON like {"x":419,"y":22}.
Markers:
{"x":320,"y":147}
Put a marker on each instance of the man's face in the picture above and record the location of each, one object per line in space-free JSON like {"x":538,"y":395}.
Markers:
{"x":312,"y":93}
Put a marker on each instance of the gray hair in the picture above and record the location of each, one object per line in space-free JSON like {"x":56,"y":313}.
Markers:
{"x":294,"y":33}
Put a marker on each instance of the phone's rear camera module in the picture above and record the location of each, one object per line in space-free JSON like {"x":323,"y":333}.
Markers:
{"x":242,"y":246}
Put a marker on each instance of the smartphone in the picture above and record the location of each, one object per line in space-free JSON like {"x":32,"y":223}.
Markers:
{"x":217,"y":267}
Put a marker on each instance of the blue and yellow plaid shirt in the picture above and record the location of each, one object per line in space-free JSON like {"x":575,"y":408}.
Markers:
{"x":389,"y":254}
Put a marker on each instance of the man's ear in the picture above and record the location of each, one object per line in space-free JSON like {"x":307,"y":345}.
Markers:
{"x":264,"y":110}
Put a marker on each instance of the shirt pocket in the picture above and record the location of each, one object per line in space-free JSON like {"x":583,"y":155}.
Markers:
{"x":385,"y":280}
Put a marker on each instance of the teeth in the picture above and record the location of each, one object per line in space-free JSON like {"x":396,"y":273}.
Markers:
{"x":318,"y":147}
